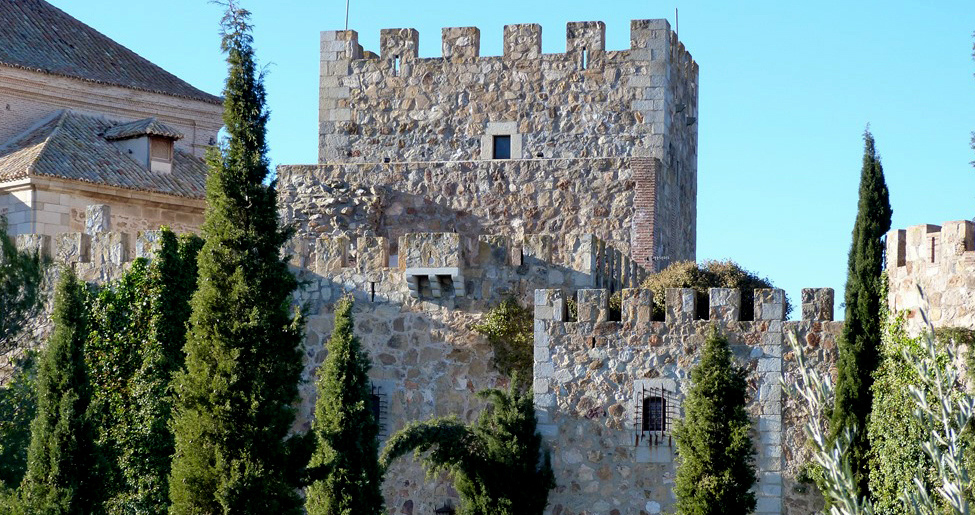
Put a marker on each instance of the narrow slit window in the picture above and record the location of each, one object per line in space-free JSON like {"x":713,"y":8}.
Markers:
{"x":654,"y":413}
{"x":932,"y":250}
{"x":396,"y":65}
{"x":502,"y":147}
{"x":585,"y":58}
{"x":372,"y":291}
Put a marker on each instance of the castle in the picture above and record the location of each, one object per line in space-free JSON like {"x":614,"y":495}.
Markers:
{"x":448,"y":184}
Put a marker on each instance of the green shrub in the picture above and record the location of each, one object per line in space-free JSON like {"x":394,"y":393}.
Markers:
{"x":700,"y":277}
{"x":18,"y":407}
{"x":497,"y":463}
{"x":509,"y":328}
{"x":895,"y":433}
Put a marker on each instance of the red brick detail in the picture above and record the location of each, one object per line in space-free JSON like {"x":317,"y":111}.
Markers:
{"x":645,"y":170}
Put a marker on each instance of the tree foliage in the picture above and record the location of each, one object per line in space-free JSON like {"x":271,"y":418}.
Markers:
{"x":716,"y":467}
{"x":346,"y":432}
{"x":62,"y":453}
{"x":497,"y":463}
{"x":234,"y":402}
{"x":860,"y":342}
{"x":18,"y":407}
{"x":21,"y":274}
{"x":509,"y":328}
{"x":700,"y":277}
{"x":134,"y":346}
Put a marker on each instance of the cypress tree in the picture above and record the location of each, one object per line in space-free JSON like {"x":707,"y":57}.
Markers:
{"x":859,"y":345}
{"x":497,"y":463}
{"x":62,"y":452}
{"x":234,"y":401}
{"x":716,"y":468}
{"x":345,"y":429}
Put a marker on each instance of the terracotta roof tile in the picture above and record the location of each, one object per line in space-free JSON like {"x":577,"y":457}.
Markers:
{"x":37,"y":36}
{"x":146,"y":127}
{"x":72,"y":146}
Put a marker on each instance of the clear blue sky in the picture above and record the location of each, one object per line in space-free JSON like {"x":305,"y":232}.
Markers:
{"x":786,"y":89}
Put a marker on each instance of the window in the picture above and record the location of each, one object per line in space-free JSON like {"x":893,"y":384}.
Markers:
{"x":655,"y":406}
{"x":502,"y":147}
{"x":379,"y":406}
{"x":160,"y":149}
{"x":396,"y":65}
{"x":655,"y":413}
{"x":585,"y":57}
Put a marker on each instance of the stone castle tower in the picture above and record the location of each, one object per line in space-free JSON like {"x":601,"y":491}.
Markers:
{"x":593,"y":140}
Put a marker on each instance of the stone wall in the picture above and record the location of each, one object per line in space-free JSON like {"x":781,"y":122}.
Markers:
{"x":27,"y":97}
{"x":414,"y":319}
{"x":931,"y":271}
{"x":591,"y":376}
{"x":605,"y":196}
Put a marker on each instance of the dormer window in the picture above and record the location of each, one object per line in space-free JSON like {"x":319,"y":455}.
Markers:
{"x":160,"y":154}
{"x":148,"y":142}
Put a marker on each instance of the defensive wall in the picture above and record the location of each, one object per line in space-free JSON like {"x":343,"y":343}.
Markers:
{"x":931,"y":269}
{"x":607,"y":393}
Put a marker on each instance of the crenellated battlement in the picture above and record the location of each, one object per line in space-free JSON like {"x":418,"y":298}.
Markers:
{"x":602,"y":263}
{"x":649,"y":40}
{"x":724,"y":305}
{"x":931,"y":244}
{"x":98,"y":245}
{"x":931,"y":268}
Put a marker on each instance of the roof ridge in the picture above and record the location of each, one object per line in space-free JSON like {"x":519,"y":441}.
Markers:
{"x":40,"y":37}
{"x":61,"y":115}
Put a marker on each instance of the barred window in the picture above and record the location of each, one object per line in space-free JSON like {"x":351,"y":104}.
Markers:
{"x":655,"y":413}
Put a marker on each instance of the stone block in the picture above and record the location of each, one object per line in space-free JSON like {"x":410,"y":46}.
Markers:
{"x":430,"y":250}
{"x":39,"y":243}
{"x":493,"y":250}
{"x":98,"y":218}
{"x":461,"y":44}
{"x":817,"y":304}
{"x":724,"y":304}
{"x":372,"y":253}
{"x":593,"y":306}
{"x":523,"y":41}
{"x":109,"y":248}
{"x":148,"y":244}
{"x":399,"y":43}
{"x":331,"y":253}
{"x":72,"y":247}
{"x":537,"y":248}
{"x":769,"y":304}
{"x":681,"y":305}
{"x":549,"y":305}
{"x":585,"y":35}
{"x":637,"y":307}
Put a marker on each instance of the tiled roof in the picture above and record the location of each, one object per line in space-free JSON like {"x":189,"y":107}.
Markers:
{"x":72,"y":146}
{"x":38,"y":36}
{"x":146,"y":127}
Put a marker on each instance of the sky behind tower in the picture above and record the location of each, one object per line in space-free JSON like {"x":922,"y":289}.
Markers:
{"x":786,"y":90}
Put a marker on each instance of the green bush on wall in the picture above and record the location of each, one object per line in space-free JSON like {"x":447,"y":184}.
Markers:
{"x":509,"y":328}
{"x":895,"y":434}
